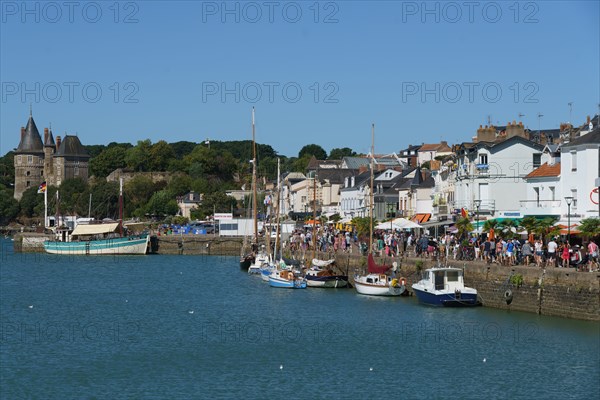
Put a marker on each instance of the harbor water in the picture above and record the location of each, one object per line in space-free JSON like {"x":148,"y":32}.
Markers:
{"x":182,"y":327}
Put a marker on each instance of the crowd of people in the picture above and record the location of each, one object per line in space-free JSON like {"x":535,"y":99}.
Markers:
{"x":485,"y":248}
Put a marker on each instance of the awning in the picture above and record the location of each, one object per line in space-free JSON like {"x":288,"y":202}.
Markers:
{"x":94,"y":229}
{"x":421,"y":218}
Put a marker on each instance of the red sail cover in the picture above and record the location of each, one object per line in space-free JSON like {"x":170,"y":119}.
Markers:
{"x":374,"y":268}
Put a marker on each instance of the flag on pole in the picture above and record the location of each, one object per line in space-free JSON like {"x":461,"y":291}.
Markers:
{"x":42,"y":187}
{"x":464,"y":213}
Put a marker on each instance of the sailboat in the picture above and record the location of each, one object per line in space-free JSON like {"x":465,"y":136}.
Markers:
{"x":98,"y":238}
{"x":377,"y":282}
{"x":252,"y":260}
{"x":320,"y":274}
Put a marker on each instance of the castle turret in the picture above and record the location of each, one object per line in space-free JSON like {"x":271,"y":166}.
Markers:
{"x":49,"y":149}
{"x":29,"y":159}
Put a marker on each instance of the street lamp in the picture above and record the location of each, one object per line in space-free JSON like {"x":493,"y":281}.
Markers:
{"x":569,"y":200}
{"x":477,"y":205}
{"x":390,"y":213}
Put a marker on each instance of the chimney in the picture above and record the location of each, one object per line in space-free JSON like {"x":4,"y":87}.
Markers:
{"x":22,"y":132}
{"x":445,"y":143}
{"x":362,"y":169}
{"x":45,"y":135}
{"x":58,"y":141}
{"x":588,"y":120}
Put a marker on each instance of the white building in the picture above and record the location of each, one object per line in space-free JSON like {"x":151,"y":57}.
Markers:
{"x":494,"y":173}
{"x":542,"y":197}
{"x":580,"y":167}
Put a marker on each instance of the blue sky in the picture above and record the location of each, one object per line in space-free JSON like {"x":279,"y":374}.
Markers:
{"x":422,"y":72}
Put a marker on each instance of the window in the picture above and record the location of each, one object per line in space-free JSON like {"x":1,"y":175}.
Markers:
{"x":573,"y":161}
{"x":28,"y":184}
{"x":76,"y":171}
{"x":18,"y":159}
{"x":537,"y":160}
{"x":574,"y":194}
{"x":483,"y":159}
{"x":552,"y":193}
{"x":27,"y":173}
{"x":452,"y":276}
{"x":29,"y":159}
{"x":536,"y":191}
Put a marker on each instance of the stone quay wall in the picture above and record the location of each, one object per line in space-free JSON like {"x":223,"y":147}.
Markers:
{"x":561,"y":292}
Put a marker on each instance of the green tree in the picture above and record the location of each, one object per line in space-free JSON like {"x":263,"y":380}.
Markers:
{"x":107,"y":161}
{"x":138,"y":192}
{"x":545,"y":228}
{"x":9,"y":207}
{"x":74,"y":197}
{"x":361,"y":224}
{"x":339,"y":153}
{"x":509,"y":228}
{"x":31,"y":202}
{"x":464,"y":226}
{"x":138,"y":158}
{"x":179,"y":185}
{"x":161,"y":155}
{"x":529,"y":223}
{"x":181,"y":149}
{"x":216,"y":201}
{"x":162,"y":203}
{"x":313,"y":150}
{"x":590,"y":227}
{"x":7,"y":170}
{"x":105,"y":200}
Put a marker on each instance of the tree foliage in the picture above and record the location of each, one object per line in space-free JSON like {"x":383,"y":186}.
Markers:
{"x":313,"y":150}
{"x":9,"y":207}
{"x":590,"y":227}
{"x":340,"y":153}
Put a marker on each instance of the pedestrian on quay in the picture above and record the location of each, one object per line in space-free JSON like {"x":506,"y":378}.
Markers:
{"x":527,"y":252}
{"x":565,"y":255}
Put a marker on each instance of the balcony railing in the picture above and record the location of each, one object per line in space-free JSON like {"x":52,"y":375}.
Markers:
{"x":486,"y":206}
{"x":528,"y":204}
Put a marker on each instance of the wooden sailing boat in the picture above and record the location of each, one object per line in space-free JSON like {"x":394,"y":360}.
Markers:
{"x":248,"y":256}
{"x":376,"y":282}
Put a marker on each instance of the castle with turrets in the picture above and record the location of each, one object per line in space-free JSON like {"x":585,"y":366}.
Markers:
{"x":38,"y":161}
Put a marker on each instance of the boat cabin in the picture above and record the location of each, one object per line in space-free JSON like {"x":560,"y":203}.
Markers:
{"x":447,"y":279}
{"x":372,"y":278}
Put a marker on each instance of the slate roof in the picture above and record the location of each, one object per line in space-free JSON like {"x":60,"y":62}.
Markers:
{"x":49,"y":142}
{"x":545,"y":171}
{"x":357,"y":162}
{"x":71,"y":147}
{"x":334,"y":176}
{"x":31,"y":142}
{"x":592,"y":137}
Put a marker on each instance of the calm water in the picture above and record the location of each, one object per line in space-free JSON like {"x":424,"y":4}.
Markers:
{"x":170,"y":327}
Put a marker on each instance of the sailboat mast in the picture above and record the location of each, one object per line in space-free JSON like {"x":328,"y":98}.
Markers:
{"x":371,"y":190}
{"x":254,"y":205}
{"x":277,"y":213}
{"x":314,"y":238}
{"x":121,"y":206}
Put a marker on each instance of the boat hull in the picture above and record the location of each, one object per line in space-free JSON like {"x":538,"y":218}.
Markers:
{"x":245,"y":263}
{"x":378,"y":290}
{"x":114,"y":246}
{"x":336,"y":281}
{"x":287,"y":284}
{"x":443,"y":299}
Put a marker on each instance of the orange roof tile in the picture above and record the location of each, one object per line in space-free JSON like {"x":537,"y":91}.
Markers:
{"x":545,"y":170}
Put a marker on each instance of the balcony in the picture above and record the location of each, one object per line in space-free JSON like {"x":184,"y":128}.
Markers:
{"x":540,"y":207}
{"x":486,"y":207}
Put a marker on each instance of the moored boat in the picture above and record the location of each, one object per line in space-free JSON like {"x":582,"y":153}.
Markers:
{"x":286,"y":279}
{"x":320,"y":275}
{"x":98,"y":239}
{"x":377,"y":282}
{"x":445,"y":287}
